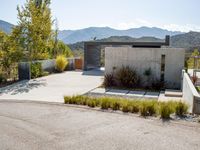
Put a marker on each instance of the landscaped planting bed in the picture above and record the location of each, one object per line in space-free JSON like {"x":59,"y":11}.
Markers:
{"x":143,"y":107}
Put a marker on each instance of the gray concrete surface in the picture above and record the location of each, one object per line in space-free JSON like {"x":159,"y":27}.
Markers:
{"x":124,"y":93}
{"x":142,"y":59}
{"x":48,"y":127}
{"x":52,"y":88}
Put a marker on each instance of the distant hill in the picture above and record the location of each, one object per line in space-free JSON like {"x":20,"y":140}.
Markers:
{"x":189,"y":41}
{"x":80,"y":45}
{"x":73,"y":36}
{"x":5,"y":26}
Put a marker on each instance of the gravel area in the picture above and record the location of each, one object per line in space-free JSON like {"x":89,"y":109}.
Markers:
{"x":28,"y":125}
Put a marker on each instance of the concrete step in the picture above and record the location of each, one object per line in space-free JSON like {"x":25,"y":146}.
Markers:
{"x":173,"y":93}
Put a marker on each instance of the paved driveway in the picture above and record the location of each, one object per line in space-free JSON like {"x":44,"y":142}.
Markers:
{"x":53,"y":87}
{"x":51,"y":127}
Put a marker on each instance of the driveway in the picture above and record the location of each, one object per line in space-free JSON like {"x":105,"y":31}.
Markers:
{"x":52,"y":88}
{"x":48,"y":127}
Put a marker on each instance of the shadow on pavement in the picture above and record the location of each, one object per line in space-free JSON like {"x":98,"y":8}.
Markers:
{"x":22,"y":86}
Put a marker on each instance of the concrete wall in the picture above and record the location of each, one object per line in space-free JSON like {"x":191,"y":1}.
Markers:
{"x":47,"y":65}
{"x":143,"y":58}
{"x":190,"y":94}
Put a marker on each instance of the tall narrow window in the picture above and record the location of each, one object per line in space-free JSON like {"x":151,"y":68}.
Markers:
{"x":162,"y":75}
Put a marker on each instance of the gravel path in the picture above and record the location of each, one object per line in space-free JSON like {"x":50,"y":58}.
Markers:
{"x":48,"y":127}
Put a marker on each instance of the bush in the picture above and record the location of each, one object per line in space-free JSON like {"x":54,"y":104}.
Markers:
{"x":61,"y":63}
{"x":148,"y":108}
{"x":181,"y":108}
{"x":145,"y":107}
{"x":134,"y":106}
{"x":45,"y":73}
{"x":109,"y":80}
{"x":125,"y":106}
{"x":165,"y":109}
{"x":157,"y":84}
{"x":2,"y":79}
{"x":91,"y":103}
{"x":127,"y":77}
{"x":36,"y":70}
{"x":116,"y":105}
{"x":105,"y":103}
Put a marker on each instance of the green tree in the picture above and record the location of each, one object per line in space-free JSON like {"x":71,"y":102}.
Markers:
{"x":10,"y":54}
{"x":63,"y":49}
{"x":190,"y":61}
{"x":34,"y":29}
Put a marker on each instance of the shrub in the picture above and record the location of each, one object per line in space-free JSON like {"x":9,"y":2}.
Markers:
{"x":157,"y":84}
{"x":61,"y":63}
{"x":36,"y":70}
{"x":45,"y":73}
{"x":2,"y":78}
{"x":181,"y":108}
{"x":125,"y":106}
{"x":127,"y":77}
{"x":134,"y":106}
{"x":116,"y":105}
{"x":91,"y":103}
{"x":145,"y":107}
{"x":109,"y":80}
{"x":148,"y":108}
{"x":106,"y":103}
{"x":165,"y":109}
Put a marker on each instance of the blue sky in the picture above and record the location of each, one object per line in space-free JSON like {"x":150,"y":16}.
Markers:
{"x":182,"y":15}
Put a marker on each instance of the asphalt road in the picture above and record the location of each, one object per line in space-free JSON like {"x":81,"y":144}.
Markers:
{"x":34,"y":126}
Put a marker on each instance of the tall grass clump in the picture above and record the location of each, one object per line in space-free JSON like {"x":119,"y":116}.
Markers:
{"x":127,"y":77}
{"x":125,"y":106}
{"x":61,"y":63}
{"x":116,"y":104}
{"x":166,"y":109}
{"x":148,"y":108}
{"x":144,"y":107}
{"x":134,"y":106}
{"x":109,"y":80}
{"x":181,"y":108}
{"x":105,"y":103}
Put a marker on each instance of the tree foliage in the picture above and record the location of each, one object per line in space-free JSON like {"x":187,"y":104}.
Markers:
{"x":34,"y":28}
{"x":190,"y":61}
{"x":9,"y":52}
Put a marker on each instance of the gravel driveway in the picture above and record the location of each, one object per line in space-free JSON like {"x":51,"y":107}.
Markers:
{"x":26,"y":125}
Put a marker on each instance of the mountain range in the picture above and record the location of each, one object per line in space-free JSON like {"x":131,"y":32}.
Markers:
{"x":6,"y":26}
{"x":75,"y":38}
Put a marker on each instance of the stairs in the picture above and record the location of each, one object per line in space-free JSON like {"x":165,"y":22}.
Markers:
{"x":173,"y":93}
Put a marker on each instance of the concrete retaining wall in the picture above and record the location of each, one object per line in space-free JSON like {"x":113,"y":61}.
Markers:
{"x":144,"y":58}
{"x":47,"y":65}
{"x":190,"y":94}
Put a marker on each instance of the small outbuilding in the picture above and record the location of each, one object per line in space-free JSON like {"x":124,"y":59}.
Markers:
{"x":164,"y":62}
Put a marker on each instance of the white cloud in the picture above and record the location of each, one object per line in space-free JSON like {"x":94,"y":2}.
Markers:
{"x":172,"y":27}
{"x":135,"y":24}
{"x":183,"y":28}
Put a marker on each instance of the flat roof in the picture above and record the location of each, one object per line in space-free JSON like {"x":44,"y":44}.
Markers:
{"x":134,"y":44}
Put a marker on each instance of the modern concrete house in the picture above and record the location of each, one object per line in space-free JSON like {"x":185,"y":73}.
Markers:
{"x":165,"y":63}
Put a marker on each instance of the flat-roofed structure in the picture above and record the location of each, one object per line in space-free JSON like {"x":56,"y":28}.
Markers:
{"x":165,"y":63}
{"x":92,"y":50}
